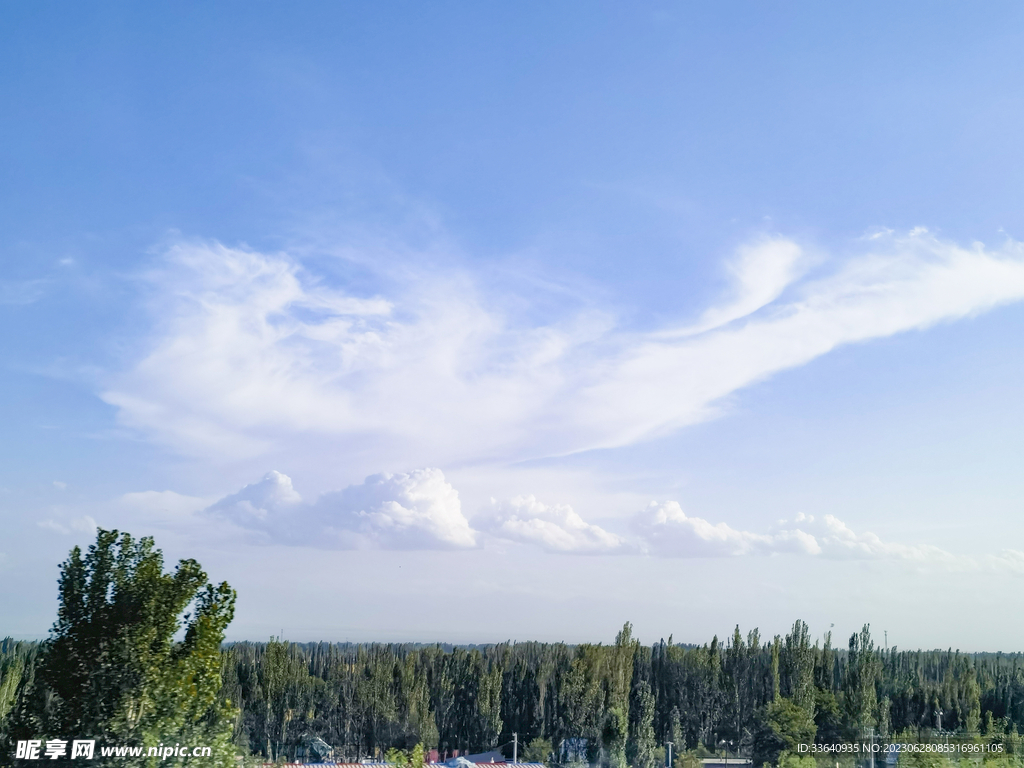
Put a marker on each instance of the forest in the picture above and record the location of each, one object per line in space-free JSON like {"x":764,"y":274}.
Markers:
{"x":611,"y":704}
{"x":137,"y":657}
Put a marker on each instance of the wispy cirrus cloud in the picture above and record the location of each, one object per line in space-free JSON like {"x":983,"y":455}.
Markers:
{"x":760,"y":272}
{"x":253,"y":353}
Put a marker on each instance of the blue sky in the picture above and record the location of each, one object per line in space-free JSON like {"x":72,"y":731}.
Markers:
{"x":476,"y":322}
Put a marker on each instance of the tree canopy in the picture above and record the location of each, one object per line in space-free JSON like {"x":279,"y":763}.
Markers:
{"x":134,"y":657}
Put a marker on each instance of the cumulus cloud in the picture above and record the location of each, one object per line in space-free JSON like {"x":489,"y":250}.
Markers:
{"x":667,"y":531}
{"x":421,"y":510}
{"x":255,"y":503}
{"x":556,"y":528}
{"x":838,"y":541}
{"x":663,"y":529}
{"x":253,"y":353}
{"x":417,"y":510}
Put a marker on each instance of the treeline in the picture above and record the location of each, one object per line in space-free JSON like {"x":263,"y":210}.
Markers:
{"x":612,"y":704}
{"x":616,"y":703}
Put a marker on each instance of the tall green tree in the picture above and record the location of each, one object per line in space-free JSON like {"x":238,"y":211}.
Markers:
{"x":863,"y":669}
{"x":112,"y":668}
{"x":642,"y":741}
{"x":619,"y":676}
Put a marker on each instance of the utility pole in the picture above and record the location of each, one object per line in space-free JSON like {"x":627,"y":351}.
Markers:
{"x":515,"y":747}
{"x":669,"y":745}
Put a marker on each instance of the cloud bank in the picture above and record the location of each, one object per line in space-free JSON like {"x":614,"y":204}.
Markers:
{"x":252,"y":352}
{"x":665,"y":530}
{"x":420,"y":510}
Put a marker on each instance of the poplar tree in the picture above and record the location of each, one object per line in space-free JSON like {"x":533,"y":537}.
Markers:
{"x":112,"y":669}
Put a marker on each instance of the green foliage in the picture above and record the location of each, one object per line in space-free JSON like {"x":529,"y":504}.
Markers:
{"x":860,"y":696}
{"x":17,"y":670}
{"x":924,"y":760}
{"x":112,"y":670}
{"x":791,"y":722}
{"x":538,"y":751}
{"x":827,"y":718}
{"x":413,"y":758}
{"x":689,"y":759}
{"x":618,"y":702}
{"x":11,"y":669}
{"x":791,"y":760}
{"x":783,"y":726}
{"x":799,"y":667}
{"x":643,"y":743}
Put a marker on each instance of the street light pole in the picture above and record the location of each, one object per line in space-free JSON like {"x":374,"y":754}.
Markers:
{"x":669,"y":744}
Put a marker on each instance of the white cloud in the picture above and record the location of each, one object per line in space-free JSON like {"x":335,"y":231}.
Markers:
{"x":417,"y":510}
{"x":761,"y":272}
{"x":252,"y":354}
{"x":1007,"y":561}
{"x":837,"y":541}
{"x":421,"y":510}
{"x":60,"y":485}
{"x":667,"y":531}
{"x":556,"y":528}
{"x":257,"y":501}
{"x":918,"y":282}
